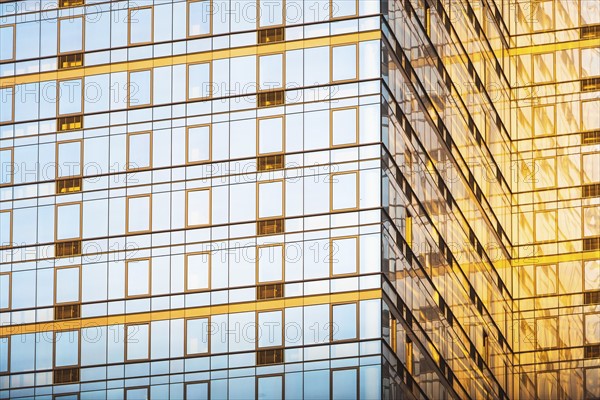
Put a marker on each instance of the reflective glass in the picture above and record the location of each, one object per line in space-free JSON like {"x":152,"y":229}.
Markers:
{"x":137,"y":341}
{"x":68,"y":225}
{"x":271,"y":12}
{"x":139,"y":214}
{"x":197,"y":336}
{"x":343,"y":256}
{"x":270,"y":329}
{"x":7,"y":37}
{"x":4,"y":291}
{"x":270,"y":260}
{"x":138,"y":277}
{"x":270,"y":388}
{"x":198,"y":270}
{"x":140,"y":88}
{"x":67,"y":285}
{"x":270,"y":135}
{"x":71,"y":35}
{"x":6,"y":166}
{"x":344,"y":322}
{"x":198,"y":144}
{"x":344,"y":191}
{"x":6,"y":104}
{"x":344,"y":62}
{"x":199,"y":81}
{"x":198,"y":207}
{"x":4,"y":354}
{"x":66,"y":348}
{"x":270,"y":199}
{"x":137,"y":394}
{"x":140,"y":25}
{"x":5,"y":228}
{"x":69,"y":159}
{"x":344,"y":384}
{"x":344,"y":127}
{"x":199,"y":18}
{"x":271,"y":71}
{"x":139,"y":150}
{"x":69,"y":97}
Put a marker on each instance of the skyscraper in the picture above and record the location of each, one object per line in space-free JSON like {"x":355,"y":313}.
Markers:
{"x":264,"y":199}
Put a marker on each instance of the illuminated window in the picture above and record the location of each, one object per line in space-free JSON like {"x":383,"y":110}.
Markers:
{"x":198,"y":144}
{"x":197,"y":271}
{"x":7,"y":42}
{"x":199,"y":18}
{"x":67,"y":284}
{"x":198,"y":206}
{"x":138,"y":277}
{"x":344,"y":256}
{"x":141,"y":25}
{"x":344,"y":194}
{"x":70,"y":32}
{"x":344,"y":127}
{"x":199,"y":81}
{"x":68,"y":221}
{"x":139,"y":150}
{"x":139,"y":213}
{"x":137,"y":342}
{"x":270,"y":199}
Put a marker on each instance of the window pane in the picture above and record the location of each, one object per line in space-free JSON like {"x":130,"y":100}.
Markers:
{"x":71,"y":35}
{"x":591,"y":172}
{"x":69,"y":97}
{"x":137,"y":394}
{"x":138,"y":277}
{"x":270,"y":135}
{"x":140,"y":88}
{"x":343,"y":256}
{"x":271,"y":71}
{"x":198,"y":267}
{"x":592,"y":274}
{"x":4,"y":291}
{"x":271,"y":12}
{"x":344,"y":322}
{"x":343,"y":8}
{"x":66,"y":348}
{"x":139,"y":151}
{"x":4,"y":354}
{"x":7,"y":40}
{"x":6,"y":104}
{"x":69,"y":159}
{"x":344,"y":127}
{"x":270,"y":197}
{"x":344,"y":384}
{"x":198,"y":207}
{"x":199,"y":18}
{"x":5,"y":228}
{"x":270,"y":328}
{"x":591,"y":221}
{"x":199,"y":81}
{"x":68,"y":222}
{"x":545,"y":279}
{"x":547,"y":332}
{"x":197,"y":391}
{"x":344,"y":191}
{"x":270,"y":388}
{"x":139,"y":214}
{"x":270,"y":264}
{"x":67,"y":285}
{"x":198,"y":145}
{"x":344,"y":62}
{"x":197,"y":336}
{"x":137,"y":341}
{"x":6,"y":166}
{"x":140,"y":25}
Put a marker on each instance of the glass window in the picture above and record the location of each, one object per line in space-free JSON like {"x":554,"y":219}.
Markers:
{"x":69,"y":158}
{"x":140,"y":25}
{"x":6,"y":166}
{"x":344,"y":256}
{"x":68,"y":221}
{"x":343,"y":8}
{"x":590,"y":115}
{"x":197,"y":274}
{"x":545,"y":226}
{"x":544,"y":120}
{"x":589,"y":167}
{"x":270,"y":199}
{"x":344,"y":383}
{"x":592,"y":274}
{"x":137,"y":341}
{"x":137,"y":394}
{"x":197,"y":391}
{"x":344,"y":63}
{"x":4,"y":351}
{"x":7,"y":42}
{"x":67,"y":285}
{"x":198,"y":207}
{"x":66,"y":348}
{"x":138,"y":278}
{"x":270,"y":263}
{"x":199,"y":82}
{"x":543,"y":68}
{"x":4,"y":291}
{"x":270,"y":387}
{"x":198,"y":144}
{"x":547,"y":332}
{"x":69,"y":97}
{"x":591,"y":221}
{"x":343,"y":191}
{"x":270,"y":329}
{"x":7,"y":104}
{"x":345,"y":122}
{"x":140,"y":88}
{"x":196,"y":336}
{"x":271,"y":12}
{"x":343,"y":326}
{"x":270,"y":135}
{"x":138,"y":213}
{"x":199,"y":17}
{"x":592,"y":382}
{"x":545,"y":279}
{"x":545,"y":173}
{"x":139,"y":150}
{"x":270,"y":71}
{"x":5,"y":228}
{"x":70,"y":35}
{"x":592,"y":328}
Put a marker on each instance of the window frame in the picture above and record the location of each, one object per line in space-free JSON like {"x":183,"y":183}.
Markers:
{"x":582,"y":175}
{"x":331,"y":128}
{"x":538,"y":346}
{"x":210,"y":81}
{"x":12,"y":164}
{"x":258,"y":71}
{"x":185,"y":337}
{"x":186,"y":269}
{"x":273,"y":375}
{"x":56,"y":270}
{"x":535,"y":228}
{"x":333,"y":370}
{"x":331,"y":192}
{"x":132,"y":10}
{"x":14,"y":42}
{"x":331,"y":256}
{"x":128,"y":149}
{"x":58,"y":95}
{"x":332,"y":66}
{"x":258,"y":121}
{"x":556,"y":275}
{"x":535,"y":180}
{"x":78,"y":365}
{"x":257,"y":272}
{"x":187,"y":19}
{"x":185,"y":396}
{"x":583,"y":220}
{"x":257,"y":328}
{"x":150,"y":85}
{"x":332,"y":17}
{"x":9,"y":274}
{"x":283,"y":17}
{"x":187,"y":141}
{"x":535,"y":108}
{"x":187,"y":207}
{"x":81,"y":150}
{"x":258,"y":183}
{"x":128,"y":198}
{"x":331,"y":322}
{"x":12,"y":104}
{"x":143,"y":295}
{"x":56,"y":221}
{"x":58,"y":36}
{"x":126,"y":360}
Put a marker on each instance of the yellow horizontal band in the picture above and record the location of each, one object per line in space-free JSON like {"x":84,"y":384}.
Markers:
{"x":194,"y":312}
{"x":190,"y":58}
{"x":550,"y":47}
{"x":556,"y":258}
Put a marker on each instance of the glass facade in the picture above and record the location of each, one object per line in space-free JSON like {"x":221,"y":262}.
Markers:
{"x":265,"y":199}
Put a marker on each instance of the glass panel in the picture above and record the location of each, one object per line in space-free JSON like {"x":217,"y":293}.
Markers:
{"x":68,"y":224}
{"x":67,"y":285}
{"x":591,"y":172}
{"x":71,"y":35}
{"x":139,"y":151}
{"x":198,"y":269}
{"x":344,"y":191}
{"x":198,"y":207}
{"x":592,"y":274}
{"x":199,"y":18}
{"x":197,"y":336}
{"x":140,"y":88}
{"x":197,"y":391}
{"x":4,"y":354}
{"x":7,"y":41}
{"x":270,"y":135}
{"x":343,"y":256}
{"x":344,"y":322}
{"x":270,"y":264}
{"x":344,"y":127}
{"x":270,"y":197}
{"x":4,"y":291}
{"x":591,"y":221}
{"x":199,"y":81}
{"x":271,"y":12}
{"x":344,"y":62}
{"x":343,"y":8}
{"x":6,"y":104}
{"x":270,"y":329}
{"x":547,"y":332}
{"x":6,"y":166}
{"x":344,"y":384}
{"x":138,"y":278}
{"x":139,"y":214}
{"x":69,"y":159}
{"x":545,"y":279}
{"x":137,"y":394}
{"x":66,"y":347}
{"x":592,"y":328}
{"x":5,"y":228}
{"x":69,"y":97}
{"x":137,"y":341}
{"x":198,"y":145}
{"x":271,"y":71}
{"x":270,"y":388}
{"x":140,"y":25}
